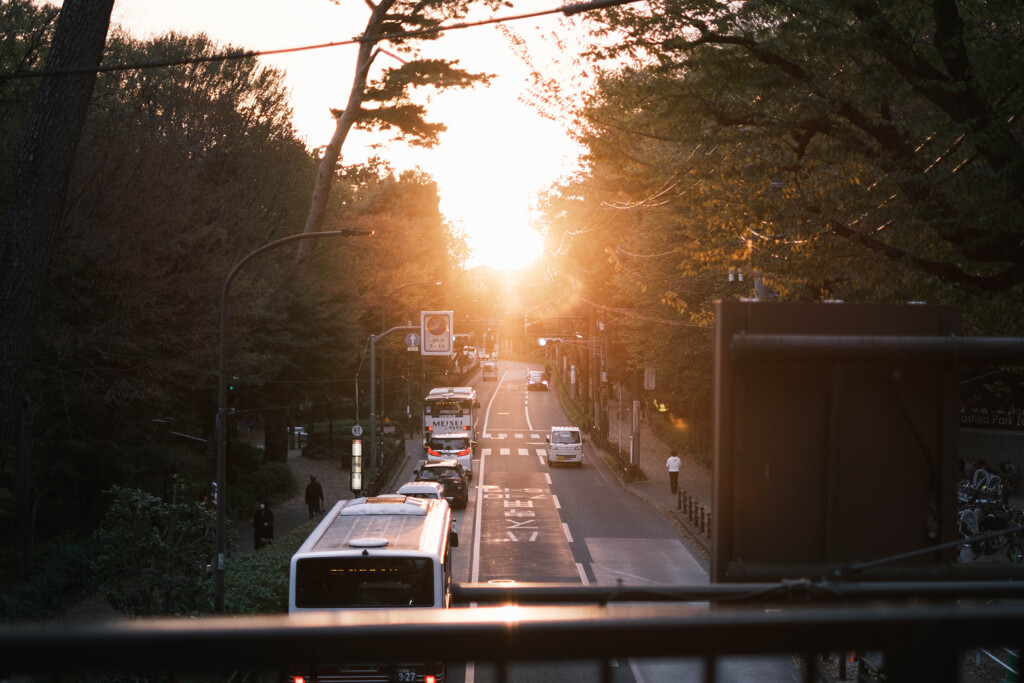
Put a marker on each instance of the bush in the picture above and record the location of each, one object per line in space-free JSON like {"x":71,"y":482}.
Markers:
{"x":63,"y":578}
{"x":257,"y":583}
{"x":151,"y":555}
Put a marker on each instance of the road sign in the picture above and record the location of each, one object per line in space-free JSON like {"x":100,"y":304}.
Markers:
{"x":357,"y":430}
{"x":412,"y":341}
{"x":436,"y":329}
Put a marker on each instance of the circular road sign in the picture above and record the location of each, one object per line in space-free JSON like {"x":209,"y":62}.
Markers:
{"x":357,"y":430}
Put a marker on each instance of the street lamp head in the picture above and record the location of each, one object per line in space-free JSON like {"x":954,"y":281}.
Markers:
{"x":356,"y":232}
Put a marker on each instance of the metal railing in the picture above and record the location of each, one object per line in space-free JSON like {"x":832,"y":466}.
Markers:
{"x":917,"y":637}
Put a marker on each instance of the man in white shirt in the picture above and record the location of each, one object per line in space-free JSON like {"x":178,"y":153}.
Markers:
{"x":673,"y":463}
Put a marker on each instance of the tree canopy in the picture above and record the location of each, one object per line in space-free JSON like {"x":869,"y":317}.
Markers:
{"x":860,"y":151}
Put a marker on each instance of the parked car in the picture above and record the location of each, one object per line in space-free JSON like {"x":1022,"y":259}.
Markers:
{"x":536,"y":381}
{"x":451,"y":475}
{"x":422,"y":489}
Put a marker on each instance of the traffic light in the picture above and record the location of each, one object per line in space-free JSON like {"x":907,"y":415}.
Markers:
{"x":232,"y":392}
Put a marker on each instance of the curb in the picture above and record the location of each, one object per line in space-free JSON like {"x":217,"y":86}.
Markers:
{"x":676,"y":517}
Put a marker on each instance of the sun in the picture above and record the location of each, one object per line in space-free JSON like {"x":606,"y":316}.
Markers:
{"x":504,"y":247}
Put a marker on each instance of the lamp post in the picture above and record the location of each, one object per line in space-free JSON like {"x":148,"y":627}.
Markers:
{"x":222,"y":395}
{"x":383,"y":313}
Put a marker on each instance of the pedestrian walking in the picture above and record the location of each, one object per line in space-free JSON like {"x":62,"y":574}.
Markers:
{"x":673,"y":463}
{"x":314,"y":496}
{"x":262,"y":526}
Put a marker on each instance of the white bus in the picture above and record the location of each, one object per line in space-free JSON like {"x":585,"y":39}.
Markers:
{"x":450,"y":409}
{"x":374,"y":553}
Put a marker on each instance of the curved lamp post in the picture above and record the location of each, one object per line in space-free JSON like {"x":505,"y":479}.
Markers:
{"x":383,"y":317}
{"x":222,"y":394}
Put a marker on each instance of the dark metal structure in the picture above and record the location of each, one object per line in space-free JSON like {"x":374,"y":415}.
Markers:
{"x":836,"y":437}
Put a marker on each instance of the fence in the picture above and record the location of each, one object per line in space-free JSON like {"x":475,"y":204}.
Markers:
{"x":912,"y":642}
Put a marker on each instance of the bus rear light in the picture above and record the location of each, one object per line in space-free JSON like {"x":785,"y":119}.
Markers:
{"x":298,"y":679}
{"x":429,"y":678}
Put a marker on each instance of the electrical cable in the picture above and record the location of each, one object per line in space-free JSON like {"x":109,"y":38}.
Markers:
{"x":565,"y":10}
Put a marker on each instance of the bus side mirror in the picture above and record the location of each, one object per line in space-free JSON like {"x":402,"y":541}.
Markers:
{"x":477,"y":404}
{"x":453,"y":538}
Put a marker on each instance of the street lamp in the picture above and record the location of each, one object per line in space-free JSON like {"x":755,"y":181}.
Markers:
{"x":387,"y":296}
{"x":383,"y":312}
{"x":222,"y":394}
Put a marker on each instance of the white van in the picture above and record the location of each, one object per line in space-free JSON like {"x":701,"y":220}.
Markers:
{"x":565,"y":444}
{"x":490,"y":371}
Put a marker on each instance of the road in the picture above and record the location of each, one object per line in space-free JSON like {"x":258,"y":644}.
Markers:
{"x":575,"y":525}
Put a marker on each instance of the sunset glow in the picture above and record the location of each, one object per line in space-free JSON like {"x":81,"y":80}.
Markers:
{"x":496,"y":155}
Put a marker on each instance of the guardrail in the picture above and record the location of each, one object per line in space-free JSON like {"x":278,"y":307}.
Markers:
{"x":913,"y":639}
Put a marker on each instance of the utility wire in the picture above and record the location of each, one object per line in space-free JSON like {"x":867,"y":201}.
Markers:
{"x":565,"y":10}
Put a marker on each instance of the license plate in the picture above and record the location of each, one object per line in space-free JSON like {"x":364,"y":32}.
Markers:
{"x":405,"y":675}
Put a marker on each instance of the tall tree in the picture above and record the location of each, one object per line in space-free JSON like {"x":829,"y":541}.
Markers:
{"x":392,"y":108}
{"x":850,"y":150}
{"x":860,"y":151}
{"x":32,"y":211}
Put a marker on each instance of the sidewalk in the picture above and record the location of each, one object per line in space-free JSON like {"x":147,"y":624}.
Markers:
{"x":293,"y":513}
{"x":335,"y":481}
{"x":654,"y":487}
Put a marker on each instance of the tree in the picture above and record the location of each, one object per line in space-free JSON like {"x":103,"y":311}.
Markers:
{"x":31,"y":217}
{"x":389,"y":20}
{"x":846,"y":150}
{"x":824,"y":149}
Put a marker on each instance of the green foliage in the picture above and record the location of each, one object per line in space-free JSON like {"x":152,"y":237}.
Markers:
{"x":865,"y":152}
{"x":257,"y":583}
{"x":63,"y":576}
{"x":152,"y":556}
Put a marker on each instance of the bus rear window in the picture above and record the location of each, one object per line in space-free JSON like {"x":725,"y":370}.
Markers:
{"x":440,"y":408}
{"x":340,"y":582}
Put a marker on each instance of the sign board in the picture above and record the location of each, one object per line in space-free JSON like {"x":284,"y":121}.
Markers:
{"x":826,"y":456}
{"x":436,"y":332}
{"x":649,"y":379}
{"x":412,"y":341}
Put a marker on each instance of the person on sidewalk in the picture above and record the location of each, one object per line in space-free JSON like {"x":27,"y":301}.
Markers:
{"x":262,"y":526}
{"x":673,"y":463}
{"x":314,"y":496}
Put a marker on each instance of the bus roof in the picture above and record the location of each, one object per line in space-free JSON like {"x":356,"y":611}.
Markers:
{"x":439,"y":392}
{"x":385,"y":523}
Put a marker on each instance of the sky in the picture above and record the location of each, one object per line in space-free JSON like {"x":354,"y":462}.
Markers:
{"x":490,"y":164}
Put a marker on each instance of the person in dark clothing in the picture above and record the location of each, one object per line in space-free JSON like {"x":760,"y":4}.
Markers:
{"x":262,"y":526}
{"x":314,"y":496}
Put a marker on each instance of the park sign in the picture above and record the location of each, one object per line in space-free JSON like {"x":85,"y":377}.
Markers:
{"x":436,"y":333}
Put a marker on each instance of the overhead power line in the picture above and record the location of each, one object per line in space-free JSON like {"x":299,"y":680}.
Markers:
{"x":565,"y":10}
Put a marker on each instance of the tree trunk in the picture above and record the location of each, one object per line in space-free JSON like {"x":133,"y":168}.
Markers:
{"x":29,"y":224}
{"x":343,"y":124}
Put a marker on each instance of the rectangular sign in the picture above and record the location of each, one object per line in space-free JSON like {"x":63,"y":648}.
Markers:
{"x":436,"y":333}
